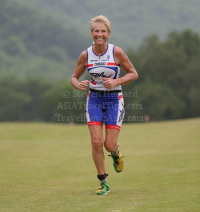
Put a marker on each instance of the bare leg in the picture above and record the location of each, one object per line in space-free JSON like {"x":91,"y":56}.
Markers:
{"x":111,"y":142}
{"x":97,"y":141}
{"x":112,"y":145}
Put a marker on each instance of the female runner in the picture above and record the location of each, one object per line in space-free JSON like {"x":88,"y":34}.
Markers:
{"x":105,"y":103}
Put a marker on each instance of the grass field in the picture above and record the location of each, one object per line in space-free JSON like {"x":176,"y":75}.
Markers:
{"x":49,"y":167}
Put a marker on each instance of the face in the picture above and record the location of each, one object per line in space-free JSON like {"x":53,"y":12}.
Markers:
{"x":100,"y":34}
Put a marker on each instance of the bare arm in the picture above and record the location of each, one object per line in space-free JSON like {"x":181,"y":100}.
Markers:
{"x":78,"y":72}
{"x":122,"y":59}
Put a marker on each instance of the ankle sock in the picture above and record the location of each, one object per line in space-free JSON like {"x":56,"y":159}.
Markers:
{"x":104,"y":181}
{"x":103,"y":178}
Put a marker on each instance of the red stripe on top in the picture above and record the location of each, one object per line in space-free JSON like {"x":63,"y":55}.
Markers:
{"x":90,"y":65}
{"x":111,"y":64}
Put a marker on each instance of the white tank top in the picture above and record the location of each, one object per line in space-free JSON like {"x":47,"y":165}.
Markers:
{"x":103,"y":66}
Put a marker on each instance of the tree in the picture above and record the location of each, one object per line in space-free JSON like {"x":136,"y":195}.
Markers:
{"x":174,"y":65}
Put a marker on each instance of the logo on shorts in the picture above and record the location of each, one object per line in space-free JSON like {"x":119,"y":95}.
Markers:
{"x":121,"y":116}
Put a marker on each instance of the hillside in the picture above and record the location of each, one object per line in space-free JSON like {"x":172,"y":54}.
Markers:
{"x":132,"y":20}
{"x":44,"y":38}
{"x":32,"y":44}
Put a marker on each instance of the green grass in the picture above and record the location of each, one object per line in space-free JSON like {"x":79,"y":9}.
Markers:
{"x":49,"y":167}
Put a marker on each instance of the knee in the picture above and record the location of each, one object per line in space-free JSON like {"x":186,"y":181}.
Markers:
{"x":110,"y":147}
{"x":97,"y":144}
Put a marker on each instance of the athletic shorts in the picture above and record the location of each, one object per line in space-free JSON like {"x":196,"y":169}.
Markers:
{"x":105,"y":108}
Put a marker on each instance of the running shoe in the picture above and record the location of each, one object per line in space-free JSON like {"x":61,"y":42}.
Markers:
{"x":118,"y":162}
{"x":103,"y":189}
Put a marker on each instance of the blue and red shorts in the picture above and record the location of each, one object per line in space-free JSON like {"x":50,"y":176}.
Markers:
{"x":105,"y":107}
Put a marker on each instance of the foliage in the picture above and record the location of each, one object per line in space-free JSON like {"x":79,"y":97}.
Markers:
{"x":22,"y":100}
{"x":168,"y":76}
{"x":29,"y":39}
{"x":168,"y":85}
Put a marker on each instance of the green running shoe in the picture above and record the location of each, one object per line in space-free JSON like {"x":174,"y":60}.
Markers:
{"x":118,"y":162}
{"x":103,"y":189}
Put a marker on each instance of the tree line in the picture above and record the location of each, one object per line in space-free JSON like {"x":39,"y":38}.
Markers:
{"x":168,"y":86}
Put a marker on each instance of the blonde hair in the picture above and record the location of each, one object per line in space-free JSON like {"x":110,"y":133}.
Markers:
{"x":101,"y":19}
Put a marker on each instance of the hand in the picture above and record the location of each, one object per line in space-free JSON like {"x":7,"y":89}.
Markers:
{"x":109,"y":83}
{"x":83,"y":85}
